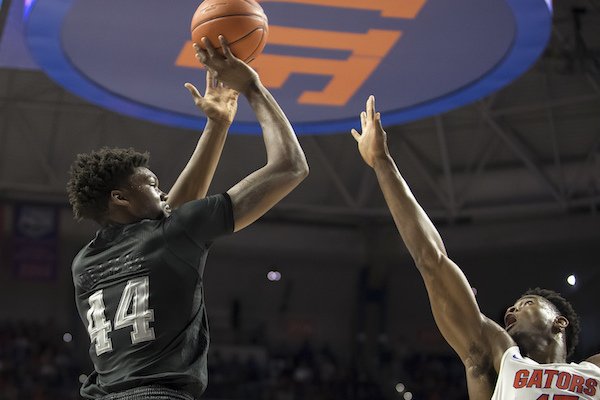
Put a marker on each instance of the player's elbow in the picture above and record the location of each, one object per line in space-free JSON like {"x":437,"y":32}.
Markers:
{"x":300,"y":165}
{"x":295,"y":168}
{"x":430,"y":261}
{"x":298,"y":172}
{"x":301,"y":169}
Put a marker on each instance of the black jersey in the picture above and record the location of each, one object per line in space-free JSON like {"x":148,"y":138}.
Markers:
{"x":139,"y":292}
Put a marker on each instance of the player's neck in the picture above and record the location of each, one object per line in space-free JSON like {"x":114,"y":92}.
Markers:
{"x":543,"y":350}
{"x":119,"y":216}
{"x":120,"y":220}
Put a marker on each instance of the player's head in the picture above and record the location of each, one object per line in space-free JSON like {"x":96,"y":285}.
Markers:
{"x":111,"y":183}
{"x":542,"y":313}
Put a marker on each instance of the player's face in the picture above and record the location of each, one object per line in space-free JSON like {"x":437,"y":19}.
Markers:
{"x":146,"y":200}
{"x":530,"y":315}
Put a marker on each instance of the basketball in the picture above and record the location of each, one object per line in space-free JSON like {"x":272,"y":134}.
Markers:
{"x":242,"y":22}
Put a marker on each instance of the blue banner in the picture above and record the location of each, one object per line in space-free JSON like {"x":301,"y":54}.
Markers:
{"x":35,"y":242}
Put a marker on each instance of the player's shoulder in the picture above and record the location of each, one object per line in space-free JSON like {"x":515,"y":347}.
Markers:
{"x":497,"y":340}
{"x":207,"y":209}
{"x":77,"y":264}
{"x":211,"y":201}
{"x":595,"y":360}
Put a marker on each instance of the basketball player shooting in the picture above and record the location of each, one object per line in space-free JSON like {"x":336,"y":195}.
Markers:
{"x":138,"y":283}
{"x":525,"y":359}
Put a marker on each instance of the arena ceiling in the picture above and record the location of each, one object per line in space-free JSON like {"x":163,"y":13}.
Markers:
{"x":531,"y":150}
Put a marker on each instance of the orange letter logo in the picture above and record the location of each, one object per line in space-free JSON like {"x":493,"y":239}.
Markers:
{"x":368,"y":50}
{"x":389,"y":8}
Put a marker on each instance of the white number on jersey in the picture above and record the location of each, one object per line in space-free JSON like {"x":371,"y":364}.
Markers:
{"x":98,"y":326}
{"x":132,"y":311}
{"x":135,"y":296}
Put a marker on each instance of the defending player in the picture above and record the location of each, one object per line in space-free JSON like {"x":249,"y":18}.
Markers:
{"x":138,"y":284}
{"x":525,"y":359}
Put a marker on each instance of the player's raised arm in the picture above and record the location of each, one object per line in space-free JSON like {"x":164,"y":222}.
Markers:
{"x":286,"y":164}
{"x":452,"y":301}
{"x":219,"y":104}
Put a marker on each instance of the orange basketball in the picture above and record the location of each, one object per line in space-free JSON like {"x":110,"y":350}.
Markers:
{"x":242,"y":22}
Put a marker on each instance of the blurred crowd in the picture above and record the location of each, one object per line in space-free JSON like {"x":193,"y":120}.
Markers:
{"x":308,"y":374}
{"x":37,"y":362}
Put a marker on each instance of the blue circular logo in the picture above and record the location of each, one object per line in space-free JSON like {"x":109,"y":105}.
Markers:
{"x":322,"y":60}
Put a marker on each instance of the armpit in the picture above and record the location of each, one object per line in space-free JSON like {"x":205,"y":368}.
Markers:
{"x":479,"y":361}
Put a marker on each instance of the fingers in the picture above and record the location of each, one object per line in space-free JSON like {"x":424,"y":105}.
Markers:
{"x":370,"y":107}
{"x":193,"y":91}
{"x":210,"y":79}
{"x":378,"y":120}
{"x":225,"y":46}
{"x":363,"y":120}
{"x":212,"y":57}
{"x":208,"y":56}
{"x":355,"y":134}
{"x":209,"y":47}
{"x":200,"y":54}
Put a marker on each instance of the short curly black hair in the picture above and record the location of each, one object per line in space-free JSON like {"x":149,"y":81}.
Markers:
{"x":566,"y":310}
{"x":93,"y":175}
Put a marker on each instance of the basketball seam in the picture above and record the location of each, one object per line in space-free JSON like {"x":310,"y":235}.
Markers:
{"x":262,"y":17}
{"x":251,"y":56}
{"x":245,"y":36}
{"x":242,"y":38}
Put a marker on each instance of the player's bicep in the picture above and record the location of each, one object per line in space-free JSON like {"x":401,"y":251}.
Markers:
{"x":256,"y":194}
{"x":454,"y":306}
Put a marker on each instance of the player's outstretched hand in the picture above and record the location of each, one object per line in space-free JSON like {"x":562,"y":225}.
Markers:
{"x":372,"y":142}
{"x":226,"y":67}
{"x":219,"y":102}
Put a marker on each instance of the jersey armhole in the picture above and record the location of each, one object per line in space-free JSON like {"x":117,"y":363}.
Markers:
{"x":507,"y":353}
{"x":590,"y":364}
{"x":230,"y":218}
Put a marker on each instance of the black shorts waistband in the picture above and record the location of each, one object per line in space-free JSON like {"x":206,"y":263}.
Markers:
{"x":149,"y":393}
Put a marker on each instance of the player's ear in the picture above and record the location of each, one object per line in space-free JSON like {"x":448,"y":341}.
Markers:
{"x":118,"y":198}
{"x":560,"y":323}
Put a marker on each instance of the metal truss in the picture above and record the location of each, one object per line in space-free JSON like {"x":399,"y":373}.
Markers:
{"x":532,"y":148}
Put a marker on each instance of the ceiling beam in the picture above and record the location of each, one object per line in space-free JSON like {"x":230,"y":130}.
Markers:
{"x":33,"y":146}
{"x":441,"y":136}
{"x":477,"y":170}
{"x":554,"y":103}
{"x":547,"y":87}
{"x":521,"y":150}
{"x":585,"y":167}
{"x":331,"y":172}
{"x":427,"y":175}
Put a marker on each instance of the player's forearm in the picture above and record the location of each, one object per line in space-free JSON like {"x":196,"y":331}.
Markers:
{"x":418,"y":232}
{"x":286,"y":164}
{"x":283,"y":149}
{"x":195,"y":179}
{"x":453,"y":304}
